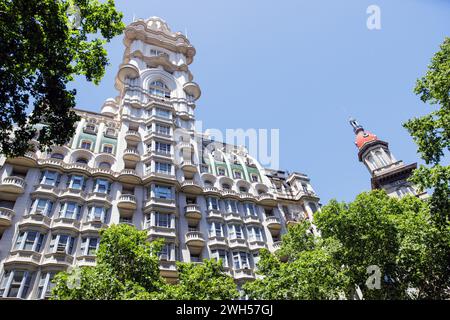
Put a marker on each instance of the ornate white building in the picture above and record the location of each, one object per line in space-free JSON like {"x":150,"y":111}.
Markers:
{"x":139,"y":161}
{"x":387,"y":172}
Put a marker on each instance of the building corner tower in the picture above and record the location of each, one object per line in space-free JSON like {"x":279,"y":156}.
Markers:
{"x":386,"y":171}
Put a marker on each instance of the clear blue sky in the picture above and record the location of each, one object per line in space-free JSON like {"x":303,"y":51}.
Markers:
{"x":303,"y":67}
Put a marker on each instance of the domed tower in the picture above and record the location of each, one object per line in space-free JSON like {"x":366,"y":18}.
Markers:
{"x":387,"y":172}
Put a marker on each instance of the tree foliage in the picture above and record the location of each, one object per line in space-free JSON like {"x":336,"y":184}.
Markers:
{"x":432,"y":134}
{"x":206,"y":281}
{"x":127,"y":268}
{"x":398,"y":236}
{"x":41,"y":52}
{"x":305,"y":268}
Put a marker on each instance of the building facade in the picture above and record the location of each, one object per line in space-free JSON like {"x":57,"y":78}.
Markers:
{"x":139,"y":161}
{"x":386,"y":171}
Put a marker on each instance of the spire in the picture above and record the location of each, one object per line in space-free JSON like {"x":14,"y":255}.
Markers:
{"x":356,"y":126}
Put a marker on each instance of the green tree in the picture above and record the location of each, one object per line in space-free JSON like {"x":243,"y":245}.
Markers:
{"x":127,"y":268}
{"x":44,"y":44}
{"x":304,"y":268}
{"x":398,"y":236}
{"x":206,"y":281}
{"x":432,"y":134}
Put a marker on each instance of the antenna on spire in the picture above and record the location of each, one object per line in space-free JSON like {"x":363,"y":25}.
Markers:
{"x":356,"y":126}
{"x":134,"y":17}
{"x":186,"y":33}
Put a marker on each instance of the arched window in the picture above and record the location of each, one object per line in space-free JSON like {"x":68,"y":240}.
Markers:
{"x":58,"y":156}
{"x":226,"y":186}
{"x":159,"y":88}
{"x":82,"y":160}
{"x":104,"y":165}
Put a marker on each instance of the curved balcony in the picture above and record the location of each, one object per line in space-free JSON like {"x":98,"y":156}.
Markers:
{"x":212,"y":191}
{"x":29,"y":159}
{"x":132,"y":135}
{"x":217,"y":242}
{"x":6,"y":217}
{"x":195,"y":241}
{"x":250,"y":219}
{"x":129,"y":176}
{"x":168,"y":270}
{"x":214,"y":215}
{"x":110,"y":107}
{"x":127,"y":202}
{"x":22,"y":257}
{"x":127,"y":70}
{"x":256,"y":245}
{"x":160,"y":204}
{"x":273,"y":224}
{"x":155,"y":232}
{"x":99,"y":197}
{"x":192,"y":213}
{"x":13,"y":184}
{"x":193,"y":89}
{"x":184,"y":115}
{"x":190,"y":186}
{"x":57,"y":259}
{"x":86,"y":261}
{"x":36,"y":220}
{"x":276,"y":245}
{"x":67,"y":224}
{"x":46,"y":190}
{"x":233,"y":217}
{"x":77,"y":194}
{"x":183,"y":145}
{"x":247,"y":196}
{"x":188,"y":167}
{"x":244,"y":274}
{"x":230,"y":194}
{"x":92,"y":226}
{"x":131,"y":154}
{"x":267,"y":199}
{"x":236,"y":243}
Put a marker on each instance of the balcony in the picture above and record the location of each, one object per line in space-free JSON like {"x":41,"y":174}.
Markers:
{"x":212,"y":191}
{"x":6,"y":217}
{"x":182,"y":145}
{"x":57,"y":259}
{"x":133,"y":135}
{"x":192,"y":213}
{"x":191,"y":186}
{"x":127,"y":202}
{"x":29,"y":159}
{"x":237,"y":243}
{"x":131,"y":154}
{"x":86,"y":261}
{"x":214,"y":215}
{"x":160,"y":204}
{"x":255,"y":244}
{"x":168,"y":270}
{"x":46,"y":190}
{"x":230,"y":194}
{"x":273,"y":224}
{"x":267,"y":199}
{"x":99,"y":197}
{"x":22,"y":257}
{"x":276,"y":245}
{"x":12,"y":184}
{"x":92,"y":226}
{"x":36,"y":220}
{"x":217,"y":242}
{"x":250,"y":219}
{"x":155,"y":232}
{"x":244,"y":274}
{"x":67,"y":224}
{"x":247,"y":196}
{"x":129,"y":176}
{"x":77,"y":194}
{"x":233,"y":217}
{"x":195,"y":242}
{"x":188,"y":167}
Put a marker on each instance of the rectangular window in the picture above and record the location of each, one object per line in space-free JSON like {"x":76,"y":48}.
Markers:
{"x":162,"y":129}
{"x":255,"y":178}
{"x":163,"y":192}
{"x":76,"y":182}
{"x":108,"y":148}
{"x":162,"y":147}
{"x":162,"y":113}
{"x":238,"y":175}
{"x":221,"y":171}
{"x":45,"y":285}
{"x":162,"y":220}
{"x":213,"y":203}
{"x":43,"y":206}
{"x":62,"y":243}
{"x":162,"y":167}
{"x":221,"y":255}
{"x":102,"y":186}
{"x":50,"y":178}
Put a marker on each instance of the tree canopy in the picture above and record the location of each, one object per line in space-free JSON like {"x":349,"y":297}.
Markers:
{"x":432,"y":134}
{"x":44,"y":44}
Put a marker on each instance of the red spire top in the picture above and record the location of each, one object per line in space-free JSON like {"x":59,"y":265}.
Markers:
{"x":362,"y":136}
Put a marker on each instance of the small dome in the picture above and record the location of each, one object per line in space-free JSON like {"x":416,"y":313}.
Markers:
{"x":364,"y":137}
